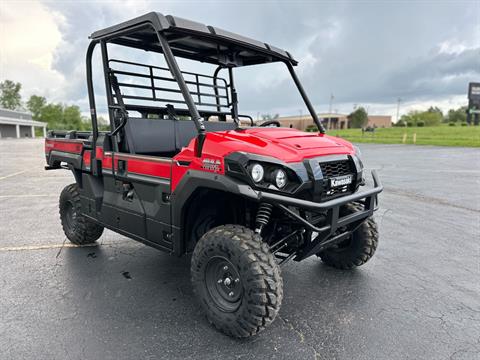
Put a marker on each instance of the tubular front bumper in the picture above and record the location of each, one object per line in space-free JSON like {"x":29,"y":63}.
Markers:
{"x":329,"y":233}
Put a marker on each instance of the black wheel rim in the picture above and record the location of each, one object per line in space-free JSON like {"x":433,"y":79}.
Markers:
{"x":343,"y":245}
{"x":223,"y":284}
{"x":69,"y":214}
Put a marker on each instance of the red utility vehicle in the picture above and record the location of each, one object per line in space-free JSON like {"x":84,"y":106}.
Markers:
{"x":178,"y":171}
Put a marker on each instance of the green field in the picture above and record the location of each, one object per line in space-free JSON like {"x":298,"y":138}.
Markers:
{"x":468,"y":136}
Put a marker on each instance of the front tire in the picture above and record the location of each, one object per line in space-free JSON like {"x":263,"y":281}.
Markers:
{"x":78,"y":229}
{"x":237,"y":280}
{"x":356,"y":250}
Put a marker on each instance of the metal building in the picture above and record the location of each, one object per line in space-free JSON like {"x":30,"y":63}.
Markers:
{"x":18,"y":124}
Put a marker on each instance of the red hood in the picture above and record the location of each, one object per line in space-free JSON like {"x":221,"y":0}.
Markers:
{"x":289,"y":145}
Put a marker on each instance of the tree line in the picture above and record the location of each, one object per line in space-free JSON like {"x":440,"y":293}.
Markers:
{"x":431,"y":117}
{"x":434,"y":117}
{"x":58,"y":116}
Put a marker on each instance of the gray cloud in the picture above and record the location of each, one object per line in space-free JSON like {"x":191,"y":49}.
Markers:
{"x":366,"y":52}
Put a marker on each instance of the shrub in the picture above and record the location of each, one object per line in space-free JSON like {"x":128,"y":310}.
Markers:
{"x":431,"y":117}
{"x":409,"y":124}
{"x":420,"y":123}
{"x":311,"y":128}
{"x":464,"y":123}
{"x":451,"y":124}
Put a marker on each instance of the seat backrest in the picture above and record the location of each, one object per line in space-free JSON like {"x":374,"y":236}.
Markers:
{"x":154,"y":136}
{"x":186,"y":130}
{"x":149,"y":136}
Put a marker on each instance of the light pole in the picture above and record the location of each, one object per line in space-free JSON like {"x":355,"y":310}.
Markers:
{"x":330,"y":110}
{"x":366,"y":110}
{"x":399,"y":100}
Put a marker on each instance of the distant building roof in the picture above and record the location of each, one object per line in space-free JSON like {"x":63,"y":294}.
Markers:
{"x":308,"y":116}
{"x":331,"y":115}
{"x":12,"y":117}
{"x":15,"y":114}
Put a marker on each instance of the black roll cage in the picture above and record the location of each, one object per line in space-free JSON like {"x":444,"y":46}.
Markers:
{"x":122,"y":34}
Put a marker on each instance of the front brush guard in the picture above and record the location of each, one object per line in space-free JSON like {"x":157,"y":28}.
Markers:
{"x":328,"y":234}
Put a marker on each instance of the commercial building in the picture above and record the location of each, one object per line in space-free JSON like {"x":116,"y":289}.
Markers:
{"x":330,"y":121}
{"x":18,"y":124}
{"x":379,"y":121}
{"x":333,"y":121}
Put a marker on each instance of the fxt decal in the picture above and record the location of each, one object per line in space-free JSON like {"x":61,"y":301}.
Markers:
{"x":211,"y":164}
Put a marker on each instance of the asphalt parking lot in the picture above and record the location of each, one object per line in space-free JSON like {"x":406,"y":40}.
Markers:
{"x":418,"y":298}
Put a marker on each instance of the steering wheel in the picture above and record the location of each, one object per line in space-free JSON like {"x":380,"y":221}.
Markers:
{"x":269,"y":123}
{"x":252,"y":123}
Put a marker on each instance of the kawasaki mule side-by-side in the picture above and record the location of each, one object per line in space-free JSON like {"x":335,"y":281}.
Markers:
{"x":180,"y":171}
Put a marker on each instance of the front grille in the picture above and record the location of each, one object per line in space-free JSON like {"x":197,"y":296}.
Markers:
{"x":336,"y":168}
{"x":332,"y":169}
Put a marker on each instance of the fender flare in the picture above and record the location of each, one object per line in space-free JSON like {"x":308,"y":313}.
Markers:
{"x":193,"y":180}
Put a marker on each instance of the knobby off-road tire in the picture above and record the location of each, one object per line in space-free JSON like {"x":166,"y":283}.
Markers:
{"x":236,"y":280}
{"x":78,"y":229}
{"x":357,"y":250}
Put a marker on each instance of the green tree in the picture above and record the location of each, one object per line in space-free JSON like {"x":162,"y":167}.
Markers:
{"x":103,"y":124}
{"x":435,"y":110}
{"x":10,"y":97}
{"x":53,"y":115}
{"x":35,"y":105}
{"x":404,"y":120}
{"x":72,"y":118}
{"x":457,"y":115}
{"x":427,"y":118}
{"x":358,"y":118}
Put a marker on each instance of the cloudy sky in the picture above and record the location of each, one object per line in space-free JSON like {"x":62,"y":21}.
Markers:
{"x":368,"y":53}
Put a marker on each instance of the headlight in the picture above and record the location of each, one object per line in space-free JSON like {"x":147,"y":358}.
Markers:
{"x":257,"y":173}
{"x":280,"y":178}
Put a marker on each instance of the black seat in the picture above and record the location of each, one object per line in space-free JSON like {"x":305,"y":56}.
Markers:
{"x":150,"y":136}
{"x":165,"y":137}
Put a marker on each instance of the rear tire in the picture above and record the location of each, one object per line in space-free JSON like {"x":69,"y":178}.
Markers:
{"x":78,"y":229}
{"x":236,"y":280}
{"x":357,"y":250}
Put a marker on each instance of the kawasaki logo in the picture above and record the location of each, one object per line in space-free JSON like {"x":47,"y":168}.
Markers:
{"x":341,"y":181}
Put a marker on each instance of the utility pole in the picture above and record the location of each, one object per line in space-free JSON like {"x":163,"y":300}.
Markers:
{"x":330,"y":110}
{"x":399,"y":100}
{"x":366,"y":110}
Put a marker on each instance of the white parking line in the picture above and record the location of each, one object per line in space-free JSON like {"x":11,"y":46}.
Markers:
{"x":43,"y":247}
{"x":14,"y":174}
{"x":27,"y":195}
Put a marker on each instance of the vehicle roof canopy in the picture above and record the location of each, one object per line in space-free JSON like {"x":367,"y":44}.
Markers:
{"x":192,"y":40}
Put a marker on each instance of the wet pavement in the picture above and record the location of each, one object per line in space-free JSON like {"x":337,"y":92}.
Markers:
{"x":418,"y":298}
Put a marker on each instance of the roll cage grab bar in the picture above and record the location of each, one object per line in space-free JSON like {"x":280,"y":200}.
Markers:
{"x":183,"y":87}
